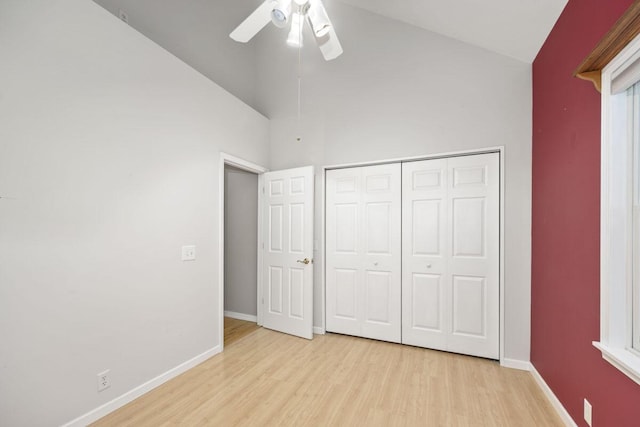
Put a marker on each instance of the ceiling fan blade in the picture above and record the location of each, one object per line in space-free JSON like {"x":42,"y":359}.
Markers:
{"x":254,"y":23}
{"x":329,"y":44}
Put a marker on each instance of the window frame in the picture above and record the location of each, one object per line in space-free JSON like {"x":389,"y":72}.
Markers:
{"x":618,"y":292}
{"x":635,"y":220}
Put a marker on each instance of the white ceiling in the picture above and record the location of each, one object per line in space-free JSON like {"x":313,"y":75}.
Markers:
{"x":516,"y":28}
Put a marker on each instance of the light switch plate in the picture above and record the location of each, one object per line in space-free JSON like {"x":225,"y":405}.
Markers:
{"x":189,"y":253}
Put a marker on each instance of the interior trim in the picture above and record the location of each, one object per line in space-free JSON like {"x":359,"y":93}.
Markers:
{"x":553,"y":399}
{"x":134,"y":393}
{"x":620,"y":35}
{"x":241,"y":316}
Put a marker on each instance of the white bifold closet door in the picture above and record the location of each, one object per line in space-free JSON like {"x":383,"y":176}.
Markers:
{"x":450,"y":260}
{"x":363,"y":219}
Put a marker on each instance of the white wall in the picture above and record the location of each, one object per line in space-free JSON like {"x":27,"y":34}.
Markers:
{"x":109,"y":154}
{"x":197,"y":32}
{"x":400,"y":91}
{"x":240,"y":241}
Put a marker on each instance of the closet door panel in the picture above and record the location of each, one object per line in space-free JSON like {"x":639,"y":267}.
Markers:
{"x":381,"y":261}
{"x":426,"y":227}
{"x":425,"y":310}
{"x":450,"y":266}
{"x":346,"y":228}
{"x":474,"y":198}
{"x":469,"y":305}
{"x":343,"y":251}
{"x":468,"y":227}
{"x":378,"y":228}
{"x":425,"y":316}
{"x":363,"y":251}
{"x":346,"y":293}
{"x":378,"y":289}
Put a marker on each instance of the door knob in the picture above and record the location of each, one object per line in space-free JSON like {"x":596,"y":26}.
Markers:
{"x":304,"y":261}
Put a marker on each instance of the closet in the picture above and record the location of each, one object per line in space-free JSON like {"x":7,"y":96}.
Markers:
{"x":412,"y":253}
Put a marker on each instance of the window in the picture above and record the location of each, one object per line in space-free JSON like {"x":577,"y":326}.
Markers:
{"x":620,"y":212}
{"x":633,"y":96}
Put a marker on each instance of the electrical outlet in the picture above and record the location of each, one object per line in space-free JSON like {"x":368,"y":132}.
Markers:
{"x":188,"y":253}
{"x":587,"y":412}
{"x":104,"y":380}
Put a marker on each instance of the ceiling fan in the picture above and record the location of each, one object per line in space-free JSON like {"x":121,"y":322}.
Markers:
{"x":293,"y":13}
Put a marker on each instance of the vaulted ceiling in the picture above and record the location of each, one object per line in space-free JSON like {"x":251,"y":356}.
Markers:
{"x":197,"y":31}
{"x":516,"y":28}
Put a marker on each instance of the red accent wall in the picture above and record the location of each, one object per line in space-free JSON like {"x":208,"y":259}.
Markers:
{"x":565,"y":292}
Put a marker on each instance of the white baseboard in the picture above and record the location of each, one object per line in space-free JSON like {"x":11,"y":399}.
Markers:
{"x":133,"y":394}
{"x":555,"y":402}
{"x":522,"y":365}
{"x":318,"y":330}
{"x":241,"y":316}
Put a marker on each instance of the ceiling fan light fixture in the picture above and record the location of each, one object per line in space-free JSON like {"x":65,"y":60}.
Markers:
{"x":295,"y":33}
{"x":318,"y":20}
{"x":280,"y":13}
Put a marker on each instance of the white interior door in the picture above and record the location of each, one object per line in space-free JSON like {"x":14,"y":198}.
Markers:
{"x":425,"y":321}
{"x":363,"y":258}
{"x":450,"y":289}
{"x":287,"y":271}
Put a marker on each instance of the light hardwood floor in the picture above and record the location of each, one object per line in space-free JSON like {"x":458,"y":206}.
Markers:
{"x":265,"y":378}
{"x":235,"y":330}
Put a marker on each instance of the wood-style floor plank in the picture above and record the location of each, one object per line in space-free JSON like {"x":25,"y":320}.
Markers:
{"x":235,"y":329}
{"x":265,"y":378}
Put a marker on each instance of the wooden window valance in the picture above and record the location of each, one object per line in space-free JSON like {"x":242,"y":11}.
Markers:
{"x":622,"y":32}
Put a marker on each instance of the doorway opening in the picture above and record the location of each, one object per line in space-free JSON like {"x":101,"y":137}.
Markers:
{"x":239,"y":269}
{"x":277,"y":258}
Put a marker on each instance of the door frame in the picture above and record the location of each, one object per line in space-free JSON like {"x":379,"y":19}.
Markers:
{"x":237,"y":162}
{"x":497,"y":149}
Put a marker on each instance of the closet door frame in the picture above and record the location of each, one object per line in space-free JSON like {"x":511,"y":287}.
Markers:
{"x":497,"y":149}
